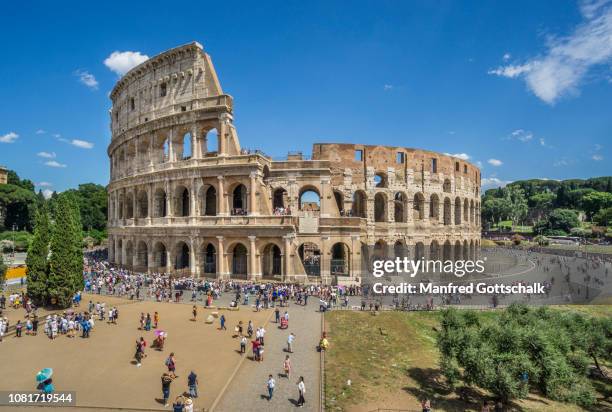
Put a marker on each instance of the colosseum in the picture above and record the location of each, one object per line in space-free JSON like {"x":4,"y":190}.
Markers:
{"x":186,"y":198}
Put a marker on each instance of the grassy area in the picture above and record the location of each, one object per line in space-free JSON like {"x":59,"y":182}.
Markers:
{"x":391,"y":361}
{"x":585,"y":248}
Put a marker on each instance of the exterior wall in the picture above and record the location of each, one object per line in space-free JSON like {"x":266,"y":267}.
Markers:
{"x":177,"y":204}
{"x":3,"y":176}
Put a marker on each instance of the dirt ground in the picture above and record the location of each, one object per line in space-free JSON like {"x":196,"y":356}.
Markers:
{"x":100,"y":368}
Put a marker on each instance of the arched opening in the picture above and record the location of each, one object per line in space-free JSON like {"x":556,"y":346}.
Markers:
{"x":447,"y":251}
{"x":339,"y":264}
{"x":434,"y":208}
{"x":208,"y":201}
{"x":159,"y":203}
{"x":142,"y":255}
{"x":310,"y":255}
{"x":279,"y":200}
{"x":121,"y":210}
{"x":380,"y":208}
{"x":419,"y":251}
{"x":457,"y":211}
{"x":472,"y":250}
{"x":271,"y":261}
{"x":210,"y":143}
{"x":447,"y":211}
{"x":434,"y":250}
{"x":359,"y":204}
{"x":239,"y":260}
{"x":457,"y":251}
{"x":400,"y":250}
{"x":400,"y":207}
{"x":119,"y":252}
{"x":129,"y":253}
{"x":142,"y":203}
{"x":309,"y":200}
{"x":182,"y":201}
{"x":380,"y":180}
{"x":159,"y":256}
{"x":419,"y":206}
{"x":339,"y":202}
{"x":209,"y":260}
{"x":472,"y":213}
{"x":166,"y":151}
{"x":239,"y":200}
{"x":181,"y":257}
{"x":446,"y":186}
{"x":186,"y":147}
{"x":466,"y":250}
{"x":129,"y":199}
{"x":466,"y":211}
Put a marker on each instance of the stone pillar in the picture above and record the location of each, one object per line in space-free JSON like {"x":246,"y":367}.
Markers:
{"x":253,"y":209}
{"x":134,"y":254}
{"x":221,"y":210}
{"x":193,"y":198}
{"x":287,"y":261}
{"x":169,"y":198}
{"x":171,"y":145}
{"x":325,"y":181}
{"x":150,"y":260}
{"x":253,"y":269}
{"x":151,"y":150}
{"x":193,"y":261}
{"x":150,"y":204}
{"x":134,"y":204}
{"x":325,"y":261}
{"x":111,"y":249}
{"x":222,"y":130}
{"x":195,"y":147}
{"x":169,"y":265}
{"x":221,"y":273}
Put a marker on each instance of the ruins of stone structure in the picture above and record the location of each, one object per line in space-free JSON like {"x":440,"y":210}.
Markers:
{"x":3,"y":175}
{"x":185,"y":197}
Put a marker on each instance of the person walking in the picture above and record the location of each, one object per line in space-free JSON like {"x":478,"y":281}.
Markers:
{"x":277,"y":315}
{"x":270,"y":384}
{"x":243,"y":343}
{"x":171,"y":363}
{"x":222,"y":320}
{"x":301,"y":392}
{"x":290,"y":341}
{"x":192,"y":382}
{"x":155,"y":320}
{"x":194,"y":311}
{"x":166,"y":380}
{"x":287,"y":367}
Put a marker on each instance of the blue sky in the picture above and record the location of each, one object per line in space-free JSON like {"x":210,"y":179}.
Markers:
{"x":523,"y":88}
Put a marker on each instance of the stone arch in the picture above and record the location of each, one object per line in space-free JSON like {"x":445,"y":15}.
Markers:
{"x":434,"y":208}
{"x":419,"y":206}
{"x":182,"y":202}
{"x":309,"y":199}
{"x":466,"y":250}
{"x":447,"y":211}
{"x":472,"y":250}
{"x":399,"y":204}
{"x":434,"y":250}
{"x":271,"y":261}
{"x":380,"y":180}
{"x":339,"y":198}
{"x":400,"y":249}
{"x":466,"y":211}
{"x":239,"y":199}
{"x":310,"y":255}
{"x":279,"y":199}
{"x":129,"y":205}
{"x":457,"y":252}
{"x":208,"y":200}
{"x":380,"y":207}
{"x":186,"y":149}
{"x":339,"y":264}
{"x":160,"y":256}
{"x":419,"y":250}
{"x":239,"y":263}
{"x":359,"y":208}
{"x":142,"y":255}
{"x":181,"y":256}
{"x":159,"y":203}
{"x":446,"y":186}
{"x":121,"y":210}
{"x":380,"y":249}
{"x":457,"y":211}
{"x":447,"y":251}
{"x":142,"y":204}
{"x":119,"y":252}
{"x":210,"y":143}
{"x":209,"y":259}
{"x":129,"y":253}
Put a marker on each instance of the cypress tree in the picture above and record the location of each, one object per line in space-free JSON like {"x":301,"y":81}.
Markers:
{"x":76,"y":237}
{"x":36,"y":260}
{"x":2,"y":271}
{"x":61,"y":279}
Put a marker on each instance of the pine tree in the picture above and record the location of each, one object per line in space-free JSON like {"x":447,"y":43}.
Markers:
{"x":62,"y":266}
{"x":36,"y":260}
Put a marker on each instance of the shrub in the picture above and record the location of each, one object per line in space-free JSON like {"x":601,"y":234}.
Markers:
{"x":541,"y":240}
{"x":517,"y":239}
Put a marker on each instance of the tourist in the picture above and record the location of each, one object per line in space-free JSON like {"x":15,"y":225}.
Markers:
{"x":192,"y":383}
{"x":166,"y":380}
{"x":287,"y":367}
{"x":243,"y":342}
{"x":177,"y":406}
{"x":262,"y":334}
{"x":222,"y":321}
{"x":250,"y":329}
{"x":142,"y":320}
{"x":155,"y":320}
{"x":194,"y":311}
{"x":301,"y":392}
{"x":276,"y":315}
{"x":485,"y":406}
{"x":426,"y":405}
{"x":18,"y":327}
{"x":171,"y":363}
{"x":270,"y":384}
{"x":148,"y":322}
{"x":290,"y":341}
{"x":188,"y":405}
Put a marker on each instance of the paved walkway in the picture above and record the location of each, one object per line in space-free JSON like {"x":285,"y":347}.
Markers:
{"x":247,"y":391}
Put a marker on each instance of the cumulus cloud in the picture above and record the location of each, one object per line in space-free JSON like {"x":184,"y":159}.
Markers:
{"x":493,"y":182}
{"x":495,"y":162}
{"x":522,"y":135}
{"x":10,"y":137}
{"x":388,"y":87}
{"x":597,"y":157}
{"x":44,"y":184}
{"x":47,"y":193}
{"x":40,"y":131}
{"x":87,"y":79}
{"x":46,"y":155}
{"x":561,"y":163}
{"x":54,"y":163}
{"x":507,"y":56}
{"x":122,"y":62}
{"x":463,"y":156}
{"x":83,"y":144}
{"x":568,"y":59}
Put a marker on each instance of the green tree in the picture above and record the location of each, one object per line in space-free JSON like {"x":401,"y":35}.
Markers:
{"x":541,"y":203}
{"x":515,"y":197}
{"x":18,"y":206}
{"x":2,"y":271}
{"x":36,"y":260}
{"x":93,"y":203}
{"x":604,"y":217}
{"x":593,"y":202}
{"x":495,"y":209}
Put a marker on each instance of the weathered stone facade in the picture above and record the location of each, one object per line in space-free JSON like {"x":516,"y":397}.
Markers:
{"x":3,"y":175}
{"x":179,"y":203}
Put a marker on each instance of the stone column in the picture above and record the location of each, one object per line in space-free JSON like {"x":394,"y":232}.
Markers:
{"x":325,"y":260}
{"x":171,"y":145}
{"x":221,"y":274}
{"x":169,"y":265}
{"x":325,"y":181}
{"x":253,"y":269}
{"x":253,"y":209}
{"x":150,"y":260}
{"x":150,"y":204}
{"x":111,"y":250}
{"x":151,"y":150}
{"x":193,"y":262}
{"x":193,"y":198}
{"x":287,"y":262}
{"x":134,"y":254}
{"x":134,"y":204}
{"x":221,"y":210}
{"x":222,"y":130}
{"x":168,"y":199}
{"x":195,"y":147}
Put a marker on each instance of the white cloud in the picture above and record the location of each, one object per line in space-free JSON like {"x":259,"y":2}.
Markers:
{"x":507,"y":56}
{"x":493,"y":182}
{"x":87,"y":79}
{"x":568,"y":59}
{"x":522,"y":135}
{"x":82,"y":144}
{"x":479,"y":164}
{"x":44,"y":184}
{"x":598,"y":147}
{"x":10,"y":137}
{"x":561,"y":163}
{"x":597,"y":157}
{"x":122,"y":62}
{"x":56,"y":135}
{"x":542,"y":142}
{"x":495,"y":162}
{"x":53,"y":163}
{"x":46,"y":155}
{"x":40,"y":131}
{"x":388,"y":87}
{"x":47,"y":193}
{"x":463,"y":156}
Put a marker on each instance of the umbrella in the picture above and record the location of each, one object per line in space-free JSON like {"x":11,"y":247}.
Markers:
{"x":159,"y":332}
{"x":44,"y":374}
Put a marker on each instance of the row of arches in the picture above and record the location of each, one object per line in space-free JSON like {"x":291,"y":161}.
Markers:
{"x":447,"y":250}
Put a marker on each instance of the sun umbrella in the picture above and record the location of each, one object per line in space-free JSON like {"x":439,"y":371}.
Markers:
{"x":44,"y":374}
{"x":159,"y":332}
